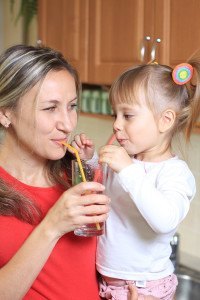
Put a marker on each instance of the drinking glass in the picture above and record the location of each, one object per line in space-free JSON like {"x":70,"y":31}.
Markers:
{"x":91,"y":173}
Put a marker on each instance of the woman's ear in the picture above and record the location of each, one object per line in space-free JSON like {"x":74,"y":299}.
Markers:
{"x":4,"y":120}
{"x":167,"y":120}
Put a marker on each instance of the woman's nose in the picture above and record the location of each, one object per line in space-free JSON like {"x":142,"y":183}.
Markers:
{"x":67,"y":123}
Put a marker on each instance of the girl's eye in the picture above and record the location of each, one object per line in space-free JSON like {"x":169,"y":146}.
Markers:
{"x":114,"y":116}
{"x":128,"y":116}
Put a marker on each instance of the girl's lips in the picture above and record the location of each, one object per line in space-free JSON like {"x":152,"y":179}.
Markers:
{"x":121,"y":141}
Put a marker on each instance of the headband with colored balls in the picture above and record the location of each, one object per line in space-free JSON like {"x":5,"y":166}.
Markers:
{"x":182,"y":73}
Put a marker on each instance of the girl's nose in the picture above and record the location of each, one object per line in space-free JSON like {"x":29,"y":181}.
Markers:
{"x":117,"y":126}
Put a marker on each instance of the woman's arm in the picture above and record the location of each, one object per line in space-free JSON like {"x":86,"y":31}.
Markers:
{"x":72,"y":210}
{"x":17,"y":276}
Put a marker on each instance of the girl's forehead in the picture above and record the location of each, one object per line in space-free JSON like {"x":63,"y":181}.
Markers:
{"x":134,"y":95}
{"x":126,"y":106}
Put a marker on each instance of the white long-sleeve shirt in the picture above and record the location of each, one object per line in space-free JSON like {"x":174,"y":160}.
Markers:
{"x":148,"y":201}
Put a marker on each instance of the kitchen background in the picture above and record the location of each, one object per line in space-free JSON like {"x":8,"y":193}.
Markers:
{"x":162,"y":29}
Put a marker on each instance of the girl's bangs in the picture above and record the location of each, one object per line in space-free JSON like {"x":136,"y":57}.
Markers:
{"x":124,"y":91}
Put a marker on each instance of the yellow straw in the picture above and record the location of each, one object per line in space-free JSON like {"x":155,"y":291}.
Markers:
{"x":78,"y":159}
{"x":75,"y":151}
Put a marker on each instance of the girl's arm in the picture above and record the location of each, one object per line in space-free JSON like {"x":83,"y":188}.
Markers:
{"x":163,"y":201}
{"x":72,"y":210}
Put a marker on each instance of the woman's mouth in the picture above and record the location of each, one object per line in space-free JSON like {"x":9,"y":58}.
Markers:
{"x":59,"y":142}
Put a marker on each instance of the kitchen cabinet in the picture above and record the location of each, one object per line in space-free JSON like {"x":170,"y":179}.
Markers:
{"x":63,"y":25}
{"x":101,"y":38}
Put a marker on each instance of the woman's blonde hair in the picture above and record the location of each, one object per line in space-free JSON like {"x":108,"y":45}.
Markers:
{"x":21,"y":68}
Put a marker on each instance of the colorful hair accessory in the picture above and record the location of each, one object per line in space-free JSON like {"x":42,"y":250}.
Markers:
{"x":182,"y":73}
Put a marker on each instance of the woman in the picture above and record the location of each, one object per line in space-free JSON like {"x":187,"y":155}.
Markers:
{"x":40,"y":257}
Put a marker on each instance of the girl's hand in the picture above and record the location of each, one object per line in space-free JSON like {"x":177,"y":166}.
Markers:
{"x":84,"y":145}
{"x":77,"y":206}
{"x":116,"y":157}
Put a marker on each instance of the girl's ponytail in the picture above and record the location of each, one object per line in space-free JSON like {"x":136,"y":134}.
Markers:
{"x":189,"y":74}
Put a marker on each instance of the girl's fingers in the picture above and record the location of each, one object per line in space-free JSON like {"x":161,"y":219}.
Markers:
{"x":85,"y":139}
{"x":81,"y":142}
{"x":69,"y":150}
{"x":109,"y":151}
{"x":77,"y":143}
{"x":80,"y":139}
{"x":107,"y":148}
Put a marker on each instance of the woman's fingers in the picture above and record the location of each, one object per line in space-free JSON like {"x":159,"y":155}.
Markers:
{"x":133,"y":292}
{"x":96,"y":213}
{"x":82,"y":220}
{"x":79,"y":205}
{"x":87,"y":187}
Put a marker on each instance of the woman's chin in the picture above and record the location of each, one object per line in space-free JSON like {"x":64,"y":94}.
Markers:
{"x":56,"y":156}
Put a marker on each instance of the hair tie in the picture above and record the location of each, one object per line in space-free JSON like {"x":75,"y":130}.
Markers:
{"x":152,"y":62}
{"x":182,"y":73}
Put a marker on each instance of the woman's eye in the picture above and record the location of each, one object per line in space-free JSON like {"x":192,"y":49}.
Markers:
{"x":74,"y":106}
{"x":51,"y":108}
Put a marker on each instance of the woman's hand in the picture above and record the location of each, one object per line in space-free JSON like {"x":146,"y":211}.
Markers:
{"x":84,"y":145}
{"x":134,"y":294}
{"x":79,"y":205}
{"x":116,"y":157}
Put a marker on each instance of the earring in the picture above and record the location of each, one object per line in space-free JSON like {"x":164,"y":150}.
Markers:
{"x":6,"y":125}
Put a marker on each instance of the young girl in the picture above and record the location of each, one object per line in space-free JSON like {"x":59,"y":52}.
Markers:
{"x":149,"y":185}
